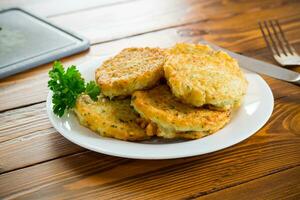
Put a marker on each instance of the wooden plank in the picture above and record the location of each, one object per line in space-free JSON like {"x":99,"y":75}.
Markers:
{"x":43,"y":143}
{"x":23,"y":121}
{"x":51,"y":8}
{"x":34,"y":148}
{"x":110,"y":23}
{"x":90,"y":175}
{"x":282,"y":185}
{"x":31,"y":86}
{"x":139,"y":17}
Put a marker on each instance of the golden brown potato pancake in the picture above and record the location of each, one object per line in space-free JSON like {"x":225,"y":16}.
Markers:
{"x":199,"y":75}
{"x":130,"y":70}
{"x":110,"y":118}
{"x":161,"y":107}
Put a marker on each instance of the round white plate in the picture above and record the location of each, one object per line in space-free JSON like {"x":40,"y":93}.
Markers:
{"x":249,"y":118}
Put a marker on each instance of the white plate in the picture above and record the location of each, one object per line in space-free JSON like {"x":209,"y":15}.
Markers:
{"x":249,"y":118}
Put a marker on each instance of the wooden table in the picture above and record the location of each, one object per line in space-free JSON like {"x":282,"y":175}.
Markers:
{"x":36,"y":162}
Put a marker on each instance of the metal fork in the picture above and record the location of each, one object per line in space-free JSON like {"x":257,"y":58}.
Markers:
{"x":282,"y":50}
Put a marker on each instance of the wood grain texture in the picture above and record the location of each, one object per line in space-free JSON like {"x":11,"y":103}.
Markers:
{"x":282,"y":185}
{"x":31,"y":86}
{"x":144,"y":16}
{"x":52,"y":8}
{"x":38,"y":163}
{"x":34,"y":148}
{"x":90,"y":175}
{"x":24,"y":121}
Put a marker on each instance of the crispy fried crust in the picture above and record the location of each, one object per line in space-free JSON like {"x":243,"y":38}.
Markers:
{"x":186,"y":48}
{"x":132,"y":69}
{"x":171,"y":134}
{"x":109,"y":118}
{"x":164,"y":109}
{"x":198,"y":75}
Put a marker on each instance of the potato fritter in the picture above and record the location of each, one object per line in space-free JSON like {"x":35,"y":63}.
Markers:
{"x":110,"y":118}
{"x":186,"y":48}
{"x":199,"y":75}
{"x":130,"y":70}
{"x":161,"y":107}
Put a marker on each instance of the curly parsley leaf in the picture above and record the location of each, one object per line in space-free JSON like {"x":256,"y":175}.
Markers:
{"x":92,"y":89}
{"x":67,"y":86}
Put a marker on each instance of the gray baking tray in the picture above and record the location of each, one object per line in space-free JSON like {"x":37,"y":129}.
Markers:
{"x":27,"y":41}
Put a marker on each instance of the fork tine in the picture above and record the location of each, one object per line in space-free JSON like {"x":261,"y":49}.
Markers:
{"x":273,"y":39}
{"x":270,"y":46}
{"x":286,"y":42}
{"x":279,"y":40}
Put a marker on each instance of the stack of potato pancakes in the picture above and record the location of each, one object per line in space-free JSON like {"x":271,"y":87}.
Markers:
{"x":187,"y":91}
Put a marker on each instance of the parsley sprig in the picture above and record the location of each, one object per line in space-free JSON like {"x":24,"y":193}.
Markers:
{"x":67,"y":85}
